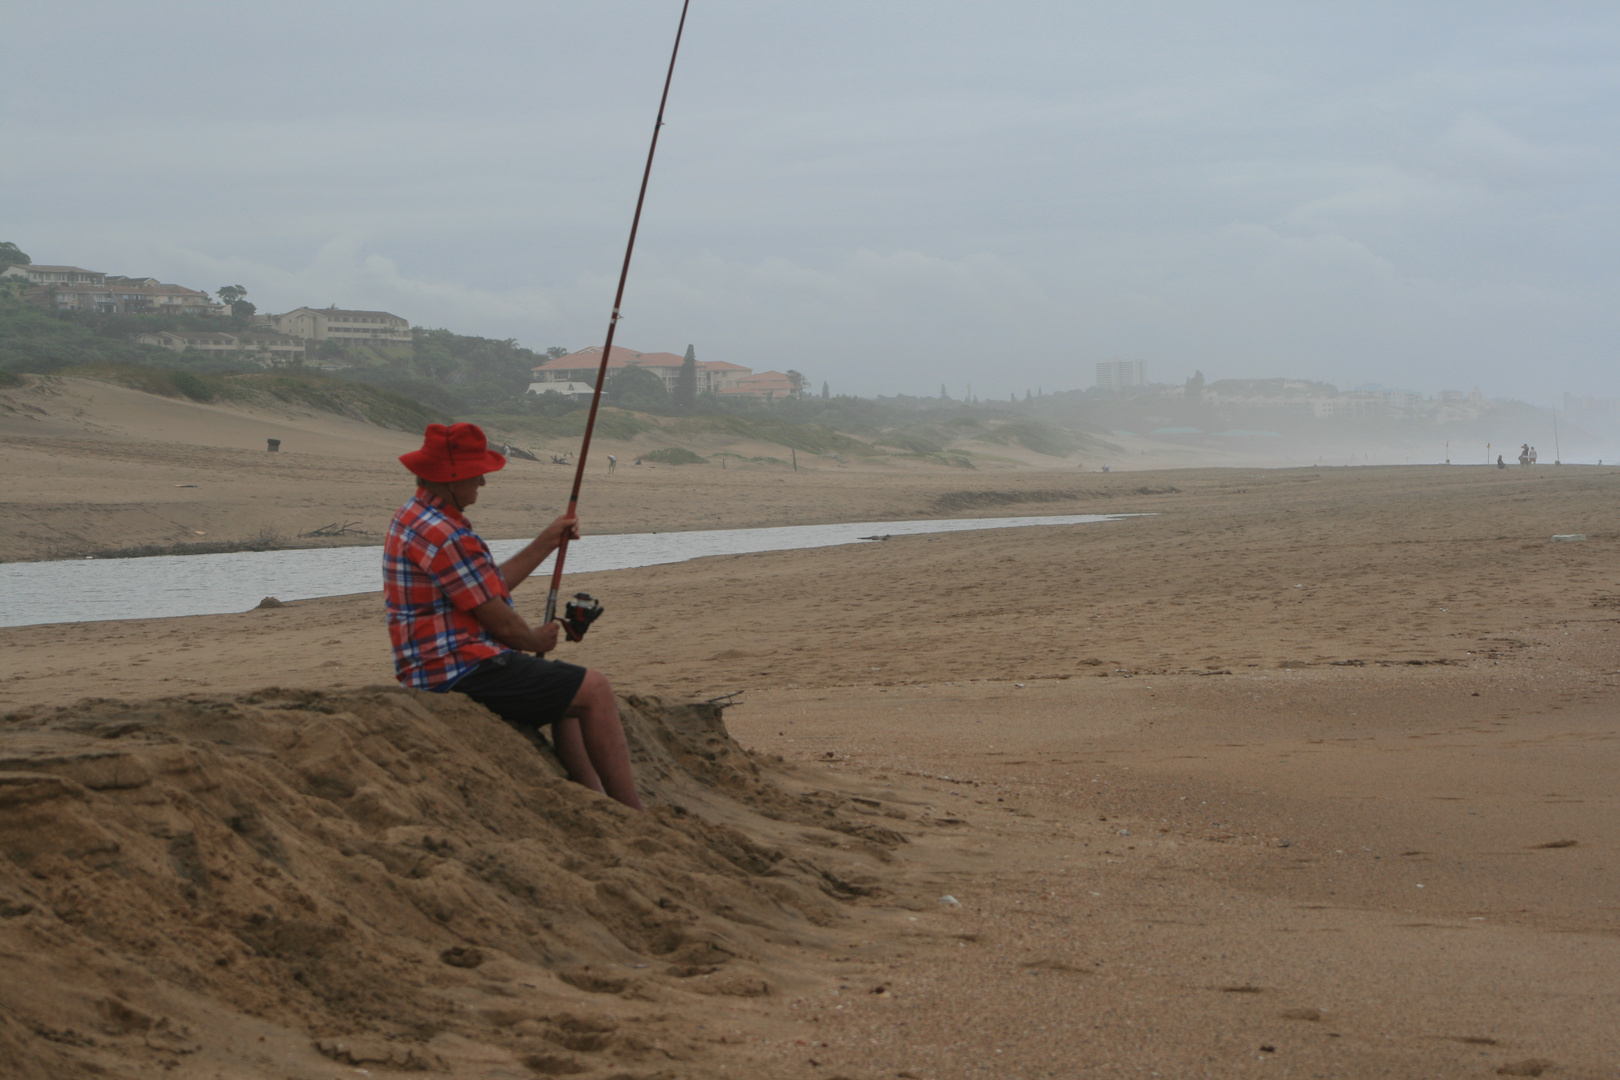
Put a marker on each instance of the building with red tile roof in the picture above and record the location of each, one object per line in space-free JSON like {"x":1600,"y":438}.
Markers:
{"x":765,"y":384}
{"x":713,"y":376}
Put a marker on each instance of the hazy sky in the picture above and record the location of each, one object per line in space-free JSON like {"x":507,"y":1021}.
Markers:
{"x":883,"y":195}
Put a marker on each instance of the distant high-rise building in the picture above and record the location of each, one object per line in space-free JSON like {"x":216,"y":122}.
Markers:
{"x":1119,"y":374}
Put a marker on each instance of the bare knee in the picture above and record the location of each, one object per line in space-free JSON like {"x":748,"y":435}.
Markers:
{"x":594,"y":693}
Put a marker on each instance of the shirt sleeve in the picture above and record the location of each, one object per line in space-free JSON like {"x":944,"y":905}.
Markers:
{"x":465,"y":570}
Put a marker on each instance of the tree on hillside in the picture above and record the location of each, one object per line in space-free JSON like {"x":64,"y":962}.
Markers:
{"x":634,"y":387}
{"x":1195,"y":385}
{"x":824,"y":394}
{"x":232,"y":297}
{"x":796,"y":381}
{"x":12,"y":255}
{"x":685,"y":395}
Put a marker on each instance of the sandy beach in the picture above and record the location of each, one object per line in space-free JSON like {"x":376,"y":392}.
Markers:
{"x":1302,"y":772}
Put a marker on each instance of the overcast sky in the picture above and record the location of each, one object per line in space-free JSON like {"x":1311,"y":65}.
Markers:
{"x":882,"y":195}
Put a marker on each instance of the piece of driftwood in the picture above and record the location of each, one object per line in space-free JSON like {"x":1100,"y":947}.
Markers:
{"x":335,"y":529}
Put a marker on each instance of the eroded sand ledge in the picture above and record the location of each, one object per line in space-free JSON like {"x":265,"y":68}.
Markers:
{"x":267,"y":883}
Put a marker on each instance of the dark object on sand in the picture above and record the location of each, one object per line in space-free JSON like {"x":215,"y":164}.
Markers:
{"x":272,"y":445}
{"x":462,"y":956}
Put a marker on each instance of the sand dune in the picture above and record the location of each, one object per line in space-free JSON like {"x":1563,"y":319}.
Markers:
{"x":385,"y":879}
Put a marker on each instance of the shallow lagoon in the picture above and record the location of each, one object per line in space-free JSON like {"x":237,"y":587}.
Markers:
{"x":88,"y":590}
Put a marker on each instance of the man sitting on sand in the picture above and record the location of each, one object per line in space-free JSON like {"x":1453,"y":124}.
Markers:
{"x":453,"y":627}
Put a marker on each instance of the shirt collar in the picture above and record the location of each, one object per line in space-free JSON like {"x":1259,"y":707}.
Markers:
{"x":443,"y":506}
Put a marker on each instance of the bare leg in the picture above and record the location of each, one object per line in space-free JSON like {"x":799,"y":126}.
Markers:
{"x":595,"y":717}
{"x":570,"y":747}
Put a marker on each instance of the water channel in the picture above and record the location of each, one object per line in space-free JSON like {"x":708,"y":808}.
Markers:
{"x":88,"y":590}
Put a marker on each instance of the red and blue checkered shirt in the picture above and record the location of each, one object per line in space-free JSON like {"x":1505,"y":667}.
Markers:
{"x":435,"y":571}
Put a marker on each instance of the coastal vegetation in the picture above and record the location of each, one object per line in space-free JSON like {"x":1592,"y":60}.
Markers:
{"x":675,"y":455}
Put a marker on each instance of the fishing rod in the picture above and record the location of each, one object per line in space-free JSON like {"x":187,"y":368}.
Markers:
{"x":582,"y":610}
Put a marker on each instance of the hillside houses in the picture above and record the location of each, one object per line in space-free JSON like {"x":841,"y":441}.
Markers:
{"x":1304,"y":398}
{"x":765,"y":384}
{"x":73,"y":288}
{"x":272,"y":348}
{"x":283,"y":338}
{"x":55,"y":275}
{"x":713,"y":376}
{"x":344,"y":326}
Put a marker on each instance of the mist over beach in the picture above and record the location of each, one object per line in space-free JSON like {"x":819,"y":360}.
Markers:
{"x":1293,"y":750}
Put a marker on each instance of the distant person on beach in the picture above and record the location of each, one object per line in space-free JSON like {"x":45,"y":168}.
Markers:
{"x":1500,"y":464}
{"x":453,"y":626}
{"x":613,"y":463}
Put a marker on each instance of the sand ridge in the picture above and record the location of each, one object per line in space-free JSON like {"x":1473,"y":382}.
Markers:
{"x":399,"y":879}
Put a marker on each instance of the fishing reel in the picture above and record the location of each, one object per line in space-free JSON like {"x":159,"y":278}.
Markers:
{"x":578,"y":614}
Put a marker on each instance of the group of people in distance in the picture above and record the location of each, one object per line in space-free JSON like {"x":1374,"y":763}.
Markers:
{"x":453,"y":626}
{"x":1527,"y":456}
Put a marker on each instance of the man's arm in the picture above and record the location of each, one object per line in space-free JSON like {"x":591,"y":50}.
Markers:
{"x":510,"y":629}
{"x":521,"y":565}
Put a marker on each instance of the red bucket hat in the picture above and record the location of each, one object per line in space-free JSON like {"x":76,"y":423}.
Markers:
{"x":457,"y":452}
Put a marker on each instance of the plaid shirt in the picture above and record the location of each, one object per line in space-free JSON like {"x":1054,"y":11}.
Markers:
{"x":435,"y":570}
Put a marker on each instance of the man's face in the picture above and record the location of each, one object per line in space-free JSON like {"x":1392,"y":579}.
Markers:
{"x":466,"y":491}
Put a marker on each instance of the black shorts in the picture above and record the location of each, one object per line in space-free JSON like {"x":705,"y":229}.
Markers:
{"x":523,"y":690}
